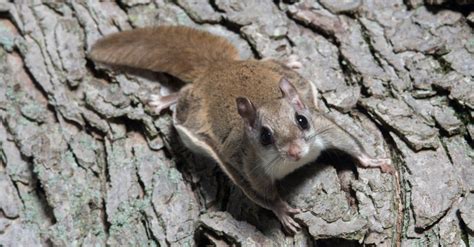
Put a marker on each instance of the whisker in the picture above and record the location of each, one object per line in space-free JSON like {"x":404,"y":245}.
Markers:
{"x":269,"y":169}
{"x":270,"y":165}
{"x":264,"y":166}
{"x":320,"y":132}
{"x":325,"y":130}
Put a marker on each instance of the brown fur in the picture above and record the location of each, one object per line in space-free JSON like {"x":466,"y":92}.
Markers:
{"x":180,"y":51}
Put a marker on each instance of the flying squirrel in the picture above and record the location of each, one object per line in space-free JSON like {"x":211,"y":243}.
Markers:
{"x":258,"y":119}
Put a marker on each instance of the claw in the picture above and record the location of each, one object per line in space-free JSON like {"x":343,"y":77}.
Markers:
{"x":290,"y":226}
{"x":385,"y":168}
{"x":292,"y":210}
{"x":295,"y":224}
{"x":284,"y":212}
{"x":384,"y":165}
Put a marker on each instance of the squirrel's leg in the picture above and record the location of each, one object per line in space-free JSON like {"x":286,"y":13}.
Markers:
{"x":284,"y":212}
{"x":265,"y":194}
{"x":159,"y":103}
{"x":338,"y":138}
{"x":383,"y":164}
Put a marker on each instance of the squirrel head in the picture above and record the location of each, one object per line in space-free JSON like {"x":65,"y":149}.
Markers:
{"x":282,"y":132}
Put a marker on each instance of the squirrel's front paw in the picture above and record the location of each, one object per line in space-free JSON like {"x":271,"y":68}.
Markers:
{"x":285,"y":214}
{"x":156,"y":103}
{"x":385,"y":165}
{"x":386,"y":168}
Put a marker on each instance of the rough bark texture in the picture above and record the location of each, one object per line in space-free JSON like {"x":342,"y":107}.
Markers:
{"x":83,"y":161}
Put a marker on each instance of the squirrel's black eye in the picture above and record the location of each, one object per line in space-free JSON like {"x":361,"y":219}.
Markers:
{"x":302,"y":121}
{"x":266,"y":136}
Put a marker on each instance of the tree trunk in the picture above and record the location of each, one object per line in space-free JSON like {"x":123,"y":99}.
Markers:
{"x":83,"y":160}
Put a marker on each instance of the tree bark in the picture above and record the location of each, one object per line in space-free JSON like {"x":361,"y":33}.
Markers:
{"x":83,"y":161}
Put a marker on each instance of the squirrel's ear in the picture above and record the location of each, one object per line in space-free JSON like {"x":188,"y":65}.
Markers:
{"x":290,"y":93}
{"x":246,"y":110}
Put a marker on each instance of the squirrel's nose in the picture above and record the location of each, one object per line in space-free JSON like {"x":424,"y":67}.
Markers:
{"x":294,"y":152}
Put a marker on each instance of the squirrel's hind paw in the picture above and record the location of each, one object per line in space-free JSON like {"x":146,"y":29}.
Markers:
{"x":159,"y":103}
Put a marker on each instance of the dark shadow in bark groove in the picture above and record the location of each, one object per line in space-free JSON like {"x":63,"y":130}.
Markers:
{"x":40,"y":192}
{"x":298,"y":177}
{"x":346,"y":169}
{"x":208,"y":237}
{"x":340,"y":242}
{"x":464,"y":229}
{"x":464,"y":9}
{"x":201,"y":172}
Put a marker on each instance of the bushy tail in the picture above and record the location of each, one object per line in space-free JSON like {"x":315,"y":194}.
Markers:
{"x":180,"y":51}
